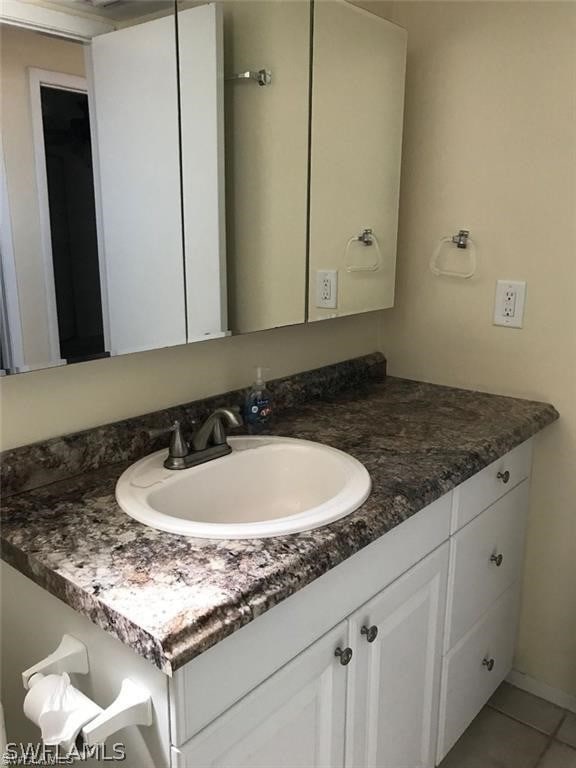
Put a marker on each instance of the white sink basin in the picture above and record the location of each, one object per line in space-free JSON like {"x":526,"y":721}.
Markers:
{"x":267,"y":486}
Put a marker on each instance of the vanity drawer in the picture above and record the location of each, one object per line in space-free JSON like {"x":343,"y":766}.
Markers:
{"x":485,"y":559}
{"x":488,"y":485}
{"x":468,"y":676}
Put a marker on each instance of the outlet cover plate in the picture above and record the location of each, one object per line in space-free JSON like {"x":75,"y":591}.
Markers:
{"x":327,"y":288}
{"x":509,"y":303}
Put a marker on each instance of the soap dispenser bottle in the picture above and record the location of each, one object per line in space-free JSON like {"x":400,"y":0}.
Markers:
{"x":258,"y":404}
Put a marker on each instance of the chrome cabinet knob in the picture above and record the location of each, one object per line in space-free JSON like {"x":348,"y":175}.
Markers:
{"x":488,"y":663}
{"x":344,"y":654}
{"x":504,"y":476}
{"x":497,"y":559}
{"x":371,"y":633}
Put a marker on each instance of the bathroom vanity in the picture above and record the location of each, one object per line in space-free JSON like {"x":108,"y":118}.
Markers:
{"x":372,"y":641}
{"x":223,"y":200}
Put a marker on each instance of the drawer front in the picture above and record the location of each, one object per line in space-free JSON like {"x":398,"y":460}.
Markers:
{"x":467,"y":682}
{"x":486,"y":558}
{"x":488,"y":485}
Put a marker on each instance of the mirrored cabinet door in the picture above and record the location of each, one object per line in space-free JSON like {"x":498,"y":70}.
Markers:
{"x":266,"y":161}
{"x":357,"y":114}
{"x":113,"y":185}
{"x":51,"y":290}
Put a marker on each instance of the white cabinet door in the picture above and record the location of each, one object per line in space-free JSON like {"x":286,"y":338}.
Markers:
{"x":394,"y":678}
{"x":134,"y":109}
{"x":295,"y":719}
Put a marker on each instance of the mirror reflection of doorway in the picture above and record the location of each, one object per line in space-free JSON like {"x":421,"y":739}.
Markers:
{"x":74,"y":246}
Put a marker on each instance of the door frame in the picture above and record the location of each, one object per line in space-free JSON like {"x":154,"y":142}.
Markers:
{"x":60,"y":81}
{"x":12,"y":344}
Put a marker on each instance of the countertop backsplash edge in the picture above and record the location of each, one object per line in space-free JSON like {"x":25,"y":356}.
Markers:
{"x":32,"y":466}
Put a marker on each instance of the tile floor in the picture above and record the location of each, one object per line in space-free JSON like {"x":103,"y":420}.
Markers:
{"x":516,"y":730}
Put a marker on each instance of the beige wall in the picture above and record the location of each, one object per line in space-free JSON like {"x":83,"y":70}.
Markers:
{"x":20,"y":49}
{"x":490,"y":145}
{"x":56,"y":401}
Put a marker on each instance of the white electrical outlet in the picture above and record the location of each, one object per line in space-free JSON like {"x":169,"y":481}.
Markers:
{"x":509,"y":303}
{"x":327,"y":288}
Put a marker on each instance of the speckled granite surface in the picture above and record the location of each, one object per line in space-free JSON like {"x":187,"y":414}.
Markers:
{"x":170,"y":598}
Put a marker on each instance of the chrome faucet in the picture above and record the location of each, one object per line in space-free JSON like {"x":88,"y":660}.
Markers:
{"x":208,"y":442}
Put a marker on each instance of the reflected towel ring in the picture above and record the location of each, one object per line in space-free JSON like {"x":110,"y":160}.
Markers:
{"x":367,"y":238}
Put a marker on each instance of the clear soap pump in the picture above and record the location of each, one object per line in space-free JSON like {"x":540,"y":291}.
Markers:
{"x":258,"y":404}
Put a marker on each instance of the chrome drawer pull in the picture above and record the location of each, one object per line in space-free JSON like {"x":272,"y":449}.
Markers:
{"x":488,"y":663}
{"x":504,"y":476}
{"x":370,"y":632}
{"x":494,"y":558}
{"x":345,"y":655}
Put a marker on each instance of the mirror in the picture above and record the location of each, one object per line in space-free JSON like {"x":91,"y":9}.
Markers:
{"x":46,"y":146}
{"x":175,"y":171}
{"x":356,"y":141}
{"x":267,"y":162}
{"x":117,"y":239}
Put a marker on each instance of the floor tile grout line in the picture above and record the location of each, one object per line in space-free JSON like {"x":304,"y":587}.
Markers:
{"x":547,"y":741}
{"x":552,"y":738}
{"x":544,"y":752}
{"x":529,"y":725}
{"x":567,"y":714}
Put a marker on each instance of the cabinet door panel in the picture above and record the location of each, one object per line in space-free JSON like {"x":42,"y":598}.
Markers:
{"x":295,"y":719}
{"x":394,"y":682}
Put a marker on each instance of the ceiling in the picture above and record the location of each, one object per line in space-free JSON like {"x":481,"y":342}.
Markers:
{"x":121,"y":10}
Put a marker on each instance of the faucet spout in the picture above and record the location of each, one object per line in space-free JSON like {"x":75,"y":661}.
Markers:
{"x":212,"y":431}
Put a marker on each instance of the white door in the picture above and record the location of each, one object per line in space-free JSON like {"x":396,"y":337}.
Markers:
{"x":134,"y":111}
{"x":295,"y":719}
{"x":394,"y":680}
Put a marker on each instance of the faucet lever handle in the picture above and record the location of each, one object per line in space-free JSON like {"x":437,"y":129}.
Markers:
{"x":178,"y":445}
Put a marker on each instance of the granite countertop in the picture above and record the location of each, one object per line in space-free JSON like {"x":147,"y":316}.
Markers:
{"x":170,"y":597}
